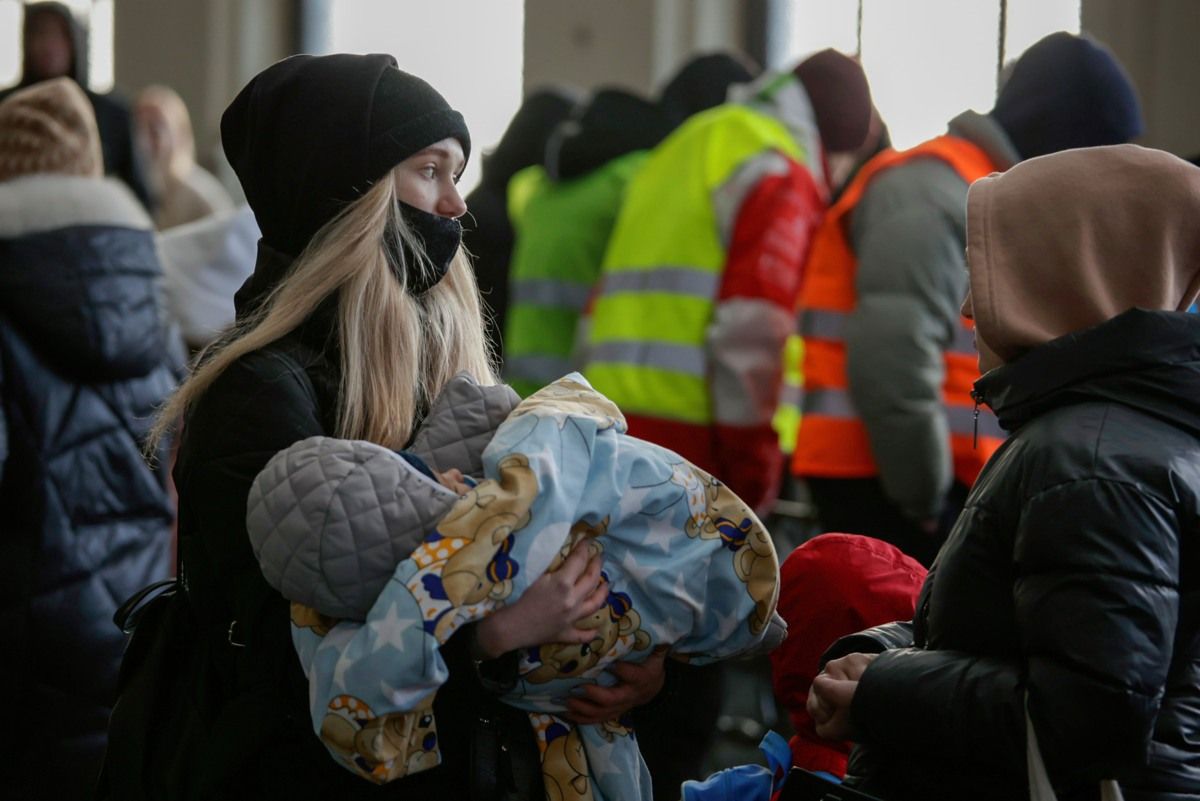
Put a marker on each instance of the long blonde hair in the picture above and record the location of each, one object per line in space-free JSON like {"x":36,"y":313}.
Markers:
{"x":397,"y":350}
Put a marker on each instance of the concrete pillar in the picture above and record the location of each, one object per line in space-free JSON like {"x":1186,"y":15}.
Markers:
{"x":635,"y":45}
{"x":206,"y":50}
{"x":1156,"y":41}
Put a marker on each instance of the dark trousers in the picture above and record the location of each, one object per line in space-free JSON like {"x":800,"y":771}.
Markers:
{"x":859,"y":506}
{"x":676,"y":729}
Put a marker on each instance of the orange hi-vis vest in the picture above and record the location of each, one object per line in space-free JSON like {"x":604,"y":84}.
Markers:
{"x":832,"y":440}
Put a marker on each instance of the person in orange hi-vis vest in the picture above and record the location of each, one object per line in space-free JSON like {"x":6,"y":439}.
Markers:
{"x":890,"y":438}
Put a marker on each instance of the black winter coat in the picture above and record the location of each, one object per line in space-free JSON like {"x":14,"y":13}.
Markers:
{"x":84,"y":521}
{"x":1073,"y":574}
{"x":256,"y":738}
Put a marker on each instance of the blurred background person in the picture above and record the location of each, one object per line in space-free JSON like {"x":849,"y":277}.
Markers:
{"x":699,"y":282}
{"x":181,"y":189}
{"x":565,"y":209}
{"x":1065,"y":595}
{"x":204,"y":264}
{"x":85,"y":359}
{"x":488,"y":233}
{"x":889,"y":439}
{"x":55,"y":46}
{"x":563,"y":212}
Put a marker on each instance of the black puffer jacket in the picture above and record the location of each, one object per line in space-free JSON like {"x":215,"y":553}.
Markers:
{"x":251,"y":734}
{"x":84,"y":521}
{"x":1073,"y":573}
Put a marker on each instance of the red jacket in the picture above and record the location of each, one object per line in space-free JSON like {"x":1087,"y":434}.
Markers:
{"x":831,"y":586}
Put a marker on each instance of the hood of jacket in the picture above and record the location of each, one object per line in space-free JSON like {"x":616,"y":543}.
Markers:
{"x":79,"y":43}
{"x":703,"y":82}
{"x":831,"y":586}
{"x":1064,"y":242}
{"x":524,"y":141}
{"x":80,"y":277}
{"x":611,"y":123}
{"x":782,"y":95}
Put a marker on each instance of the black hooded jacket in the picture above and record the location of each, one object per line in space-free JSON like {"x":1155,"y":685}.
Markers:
{"x":255,"y":738}
{"x":85,"y":358}
{"x":1073,"y":574}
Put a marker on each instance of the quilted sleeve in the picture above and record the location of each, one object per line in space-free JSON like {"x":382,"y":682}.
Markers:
{"x":329,"y":519}
{"x":461,"y":423}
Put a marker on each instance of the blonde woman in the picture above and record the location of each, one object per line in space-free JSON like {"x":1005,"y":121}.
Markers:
{"x":361,"y":307}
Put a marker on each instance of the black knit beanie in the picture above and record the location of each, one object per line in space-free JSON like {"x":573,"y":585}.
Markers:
{"x":704,"y":82}
{"x":1064,"y":92}
{"x":611,"y":123}
{"x":311,"y":134}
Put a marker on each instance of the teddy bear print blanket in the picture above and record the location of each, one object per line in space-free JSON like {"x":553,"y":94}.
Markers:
{"x":688,"y":564}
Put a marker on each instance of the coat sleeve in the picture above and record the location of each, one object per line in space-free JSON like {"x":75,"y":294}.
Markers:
{"x":1096,"y":602}
{"x":1097,"y":599}
{"x":770,"y":227}
{"x":3,"y":424}
{"x":910,"y":282}
{"x":874,"y":640}
{"x":258,"y":406}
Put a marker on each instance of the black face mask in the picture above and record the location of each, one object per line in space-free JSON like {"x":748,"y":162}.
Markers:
{"x":441,"y":237}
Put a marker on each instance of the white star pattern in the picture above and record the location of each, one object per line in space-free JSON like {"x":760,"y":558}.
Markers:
{"x":661,"y":535}
{"x":390,"y":630}
{"x":339,"y":671}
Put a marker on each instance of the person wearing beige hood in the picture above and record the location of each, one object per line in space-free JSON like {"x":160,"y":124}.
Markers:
{"x":1071,"y":580}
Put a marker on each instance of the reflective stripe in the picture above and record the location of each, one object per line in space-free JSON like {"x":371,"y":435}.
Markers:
{"x":830,"y":403}
{"x":836,"y":403}
{"x":729,"y":196}
{"x":536,"y":368}
{"x":822,"y":323}
{"x":674,"y":280}
{"x":792,"y":396}
{"x":686,"y":359}
{"x":549,"y":292}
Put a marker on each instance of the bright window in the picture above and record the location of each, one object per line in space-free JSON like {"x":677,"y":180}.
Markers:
{"x":927,"y":60}
{"x":97,"y":16}
{"x":469,"y":51}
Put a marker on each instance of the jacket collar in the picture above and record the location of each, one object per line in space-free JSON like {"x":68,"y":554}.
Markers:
{"x":1149,"y":360}
{"x":782,"y":96}
{"x":985,"y":133}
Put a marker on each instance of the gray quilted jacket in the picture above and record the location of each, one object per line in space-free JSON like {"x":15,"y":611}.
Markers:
{"x":329,"y":519}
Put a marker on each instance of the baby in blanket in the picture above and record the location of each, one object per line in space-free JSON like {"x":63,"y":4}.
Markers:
{"x":351,"y":531}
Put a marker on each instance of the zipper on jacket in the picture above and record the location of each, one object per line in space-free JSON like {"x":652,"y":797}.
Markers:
{"x":975,"y":396}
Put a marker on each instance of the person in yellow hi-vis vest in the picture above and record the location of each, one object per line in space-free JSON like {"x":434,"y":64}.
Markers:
{"x":563,"y":209}
{"x":698,"y":288}
{"x":890,"y":437}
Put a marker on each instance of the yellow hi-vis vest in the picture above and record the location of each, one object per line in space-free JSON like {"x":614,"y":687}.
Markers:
{"x":662,"y":272}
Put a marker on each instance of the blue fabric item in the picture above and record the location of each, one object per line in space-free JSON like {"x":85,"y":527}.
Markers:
{"x":746,"y":782}
{"x":1067,"y":91}
{"x":417,"y":462}
{"x":688,"y":566}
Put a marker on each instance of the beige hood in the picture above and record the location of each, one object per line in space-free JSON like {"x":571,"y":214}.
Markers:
{"x":1067,"y":241}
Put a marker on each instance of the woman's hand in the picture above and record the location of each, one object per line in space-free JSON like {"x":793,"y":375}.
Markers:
{"x":550,"y":609}
{"x":832,"y":693}
{"x":636,"y":685}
